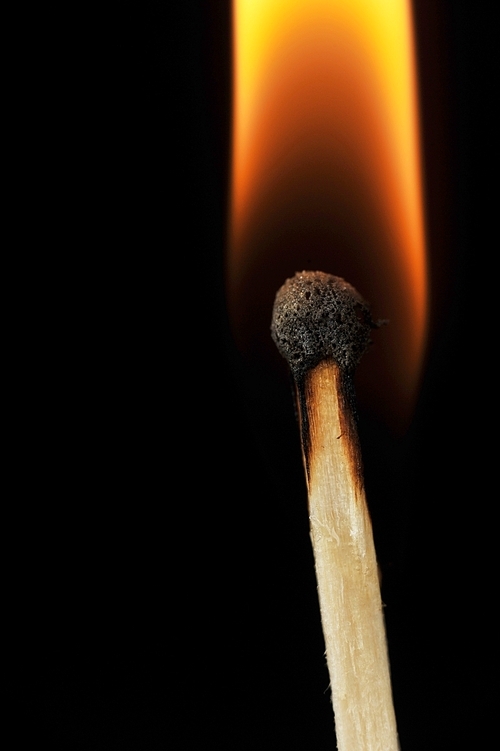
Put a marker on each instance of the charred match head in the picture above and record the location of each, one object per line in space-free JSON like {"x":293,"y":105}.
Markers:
{"x":316,"y":317}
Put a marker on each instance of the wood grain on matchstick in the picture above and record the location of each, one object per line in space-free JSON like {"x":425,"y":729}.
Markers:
{"x":346,"y":567}
{"x":322,"y":326}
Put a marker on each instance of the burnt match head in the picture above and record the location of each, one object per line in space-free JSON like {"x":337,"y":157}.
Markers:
{"x":316,"y":317}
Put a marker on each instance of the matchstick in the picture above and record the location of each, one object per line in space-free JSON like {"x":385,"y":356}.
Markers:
{"x":322,"y":327}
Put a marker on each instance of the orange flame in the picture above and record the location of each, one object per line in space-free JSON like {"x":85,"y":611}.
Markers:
{"x":326,"y":171}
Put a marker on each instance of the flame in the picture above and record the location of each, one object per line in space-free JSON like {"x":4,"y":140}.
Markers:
{"x":326,"y":170}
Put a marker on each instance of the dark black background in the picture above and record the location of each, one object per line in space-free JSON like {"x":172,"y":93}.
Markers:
{"x":166,"y":593}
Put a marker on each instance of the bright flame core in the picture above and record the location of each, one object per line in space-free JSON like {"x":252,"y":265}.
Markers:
{"x":326,"y":165}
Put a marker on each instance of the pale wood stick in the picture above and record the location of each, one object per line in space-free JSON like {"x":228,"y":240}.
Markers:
{"x":321,"y":325}
{"x":346,"y":568}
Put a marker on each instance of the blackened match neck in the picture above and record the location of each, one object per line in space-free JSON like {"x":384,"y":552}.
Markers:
{"x":327,"y":382}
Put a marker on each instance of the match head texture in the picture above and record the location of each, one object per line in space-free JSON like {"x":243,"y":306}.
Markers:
{"x":316,"y":317}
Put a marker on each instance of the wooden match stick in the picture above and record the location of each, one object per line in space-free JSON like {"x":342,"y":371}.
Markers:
{"x":322,"y":327}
